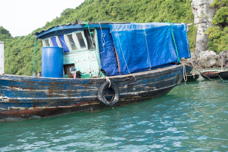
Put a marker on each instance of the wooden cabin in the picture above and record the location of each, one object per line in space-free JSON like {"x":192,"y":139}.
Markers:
{"x":81,"y":52}
{"x":96,"y":50}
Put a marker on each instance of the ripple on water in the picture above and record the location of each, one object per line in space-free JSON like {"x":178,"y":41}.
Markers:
{"x":191,"y":117}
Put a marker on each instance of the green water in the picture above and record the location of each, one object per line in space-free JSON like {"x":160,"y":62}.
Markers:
{"x":191,"y":117}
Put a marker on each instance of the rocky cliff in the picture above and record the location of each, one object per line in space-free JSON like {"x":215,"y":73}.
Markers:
{"x":203,"y":19}
{"x":203,"y":15}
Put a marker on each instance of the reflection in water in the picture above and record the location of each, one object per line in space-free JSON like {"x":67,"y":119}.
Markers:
{"x":191,"y":117}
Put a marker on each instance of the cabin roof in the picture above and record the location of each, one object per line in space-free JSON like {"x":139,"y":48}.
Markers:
{"x":62,"y":29}
{"x":69,"y":28}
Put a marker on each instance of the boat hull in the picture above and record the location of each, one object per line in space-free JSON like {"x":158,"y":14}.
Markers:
{"x":223,"y":75}
{"x":27,"y":97}
{"x":210,"y":75}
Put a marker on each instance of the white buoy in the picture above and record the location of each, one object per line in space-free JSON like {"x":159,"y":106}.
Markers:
{"x":1,"y":58}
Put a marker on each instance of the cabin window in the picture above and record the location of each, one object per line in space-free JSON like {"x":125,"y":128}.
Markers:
{"x":71,"y":41}
{"x":90,"y":37}
{"x":81,"y":40}
{"x":76,"y":41}
{"x":47,"y":42}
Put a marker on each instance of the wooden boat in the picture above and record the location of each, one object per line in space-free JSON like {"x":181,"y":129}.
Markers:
{"x":223,"y":75}
{"x":25,"y":97}
{"x":210,"y":75}
{"x":84,"y":67}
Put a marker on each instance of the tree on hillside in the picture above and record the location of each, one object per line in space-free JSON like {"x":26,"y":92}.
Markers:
{"x":4,"y":34}
{"x":217,"y":34}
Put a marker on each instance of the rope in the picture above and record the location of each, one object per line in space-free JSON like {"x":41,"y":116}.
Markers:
{"x":185,"y":74}
{"x":133,"y":76}
{"x":109,"y":81}
{"x":195,"y":68}
{"x":220,"y":78}
{"x":175,"y":45}
{"x":147,"y":48}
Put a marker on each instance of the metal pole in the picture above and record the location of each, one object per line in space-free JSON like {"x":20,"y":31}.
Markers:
{"x":1,"y":58}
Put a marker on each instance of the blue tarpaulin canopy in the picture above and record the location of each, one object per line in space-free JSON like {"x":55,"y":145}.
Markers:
{"x":107,"y":52}
{"x":131,"y":47}
{"x":141,"y":46}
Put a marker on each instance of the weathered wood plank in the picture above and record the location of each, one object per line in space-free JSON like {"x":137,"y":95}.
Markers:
{"x":35,"y":95}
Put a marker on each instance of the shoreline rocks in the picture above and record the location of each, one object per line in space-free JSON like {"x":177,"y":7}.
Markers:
{"x":201,"y":57}
{"x":210,"y":59}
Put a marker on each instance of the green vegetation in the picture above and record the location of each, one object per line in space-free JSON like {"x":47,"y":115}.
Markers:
{"x":20,"y":54}
{"x":218,"y":34}
{"x":128,"y":11}
{"x":4,"y":34}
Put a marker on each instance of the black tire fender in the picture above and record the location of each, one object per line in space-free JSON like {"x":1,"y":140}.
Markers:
{"x":101,"y":96}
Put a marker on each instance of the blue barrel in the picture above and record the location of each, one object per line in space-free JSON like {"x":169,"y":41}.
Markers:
{"x":52,"y":62}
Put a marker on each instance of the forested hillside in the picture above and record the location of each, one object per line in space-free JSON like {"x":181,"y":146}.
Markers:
{"x":218,"y":34}
{"x":4,"y":34}
{"x":22,"y":58}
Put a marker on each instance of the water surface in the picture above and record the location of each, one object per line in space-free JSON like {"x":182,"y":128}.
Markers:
{"x":191,"y":117}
